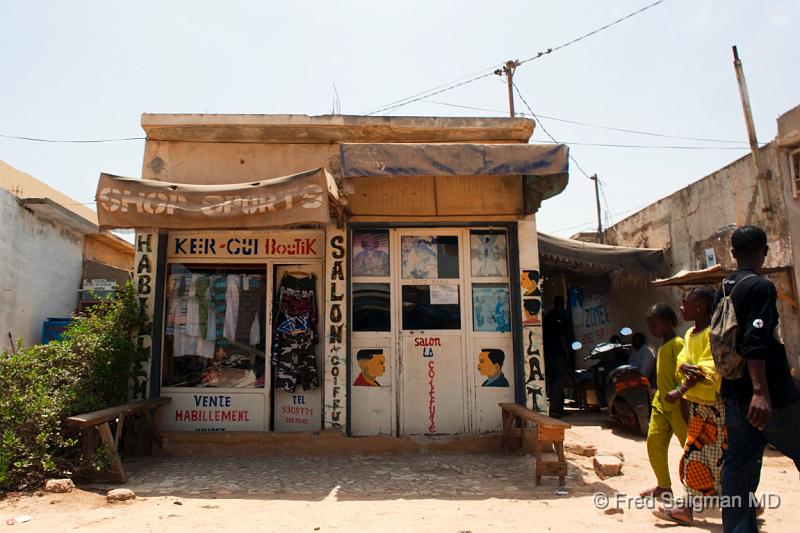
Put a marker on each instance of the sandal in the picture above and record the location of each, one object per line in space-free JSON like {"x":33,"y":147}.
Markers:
{"x":669,"y":515}
{"x":655,"y":492}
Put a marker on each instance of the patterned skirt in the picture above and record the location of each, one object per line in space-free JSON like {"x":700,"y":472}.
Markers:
{"x":706,"y":440}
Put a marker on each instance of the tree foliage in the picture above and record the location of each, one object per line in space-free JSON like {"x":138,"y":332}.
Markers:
{"x":96,"y":364}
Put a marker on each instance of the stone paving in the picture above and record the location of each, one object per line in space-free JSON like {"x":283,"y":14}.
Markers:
{"x":344,"y":478}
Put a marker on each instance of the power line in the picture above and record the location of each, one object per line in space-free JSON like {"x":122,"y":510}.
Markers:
{"x":593,"y":222}
{"x":482,"y":71}
{"x":388,"y":108}
{"x":610,"y":145}
{"x":36,"y":139}
{"x":545,"y":130}
{"x":557,"y":119}
{"x":593,"y":32}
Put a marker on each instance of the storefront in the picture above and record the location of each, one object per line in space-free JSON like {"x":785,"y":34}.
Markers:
{"x":391,"y":290}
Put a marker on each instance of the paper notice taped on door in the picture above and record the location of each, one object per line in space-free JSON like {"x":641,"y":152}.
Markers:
{"x":444,"y":294}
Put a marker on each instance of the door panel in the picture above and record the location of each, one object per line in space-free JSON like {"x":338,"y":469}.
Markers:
{"x":300,"y":410}
{"x":433,"y":383}
{"x":431,"y":316}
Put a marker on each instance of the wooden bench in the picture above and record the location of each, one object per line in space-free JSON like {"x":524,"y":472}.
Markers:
{"x":101,"y":420}
{"x":548,"y":438}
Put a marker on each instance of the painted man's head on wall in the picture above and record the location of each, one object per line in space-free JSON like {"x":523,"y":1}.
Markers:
{"x":372,"y":363}
{"x":490,"y":362}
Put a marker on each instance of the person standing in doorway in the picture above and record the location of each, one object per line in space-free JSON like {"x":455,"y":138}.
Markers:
{"x":763,"y":405}
{"x":555,"y":330}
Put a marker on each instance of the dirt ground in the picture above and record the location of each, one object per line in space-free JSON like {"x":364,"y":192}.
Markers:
{"x":422,"y":492}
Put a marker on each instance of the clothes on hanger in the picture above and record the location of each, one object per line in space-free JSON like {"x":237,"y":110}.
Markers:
{"x":295,"y":332}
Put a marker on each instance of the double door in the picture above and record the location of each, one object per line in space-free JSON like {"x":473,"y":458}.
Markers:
{"x":443,"y":299}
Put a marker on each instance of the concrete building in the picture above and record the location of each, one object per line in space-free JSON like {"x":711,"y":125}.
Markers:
{"x":369,"y":275}
{"x":693,"y":226}
{"x":49,"y":244}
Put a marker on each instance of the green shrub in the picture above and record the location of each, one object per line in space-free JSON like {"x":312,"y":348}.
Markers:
{"x":97,"y":364}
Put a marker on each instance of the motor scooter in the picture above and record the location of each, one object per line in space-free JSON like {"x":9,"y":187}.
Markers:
{"x":621,"y":387}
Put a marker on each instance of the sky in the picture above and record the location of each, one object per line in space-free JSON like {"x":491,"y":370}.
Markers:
{"x":89,"y":69}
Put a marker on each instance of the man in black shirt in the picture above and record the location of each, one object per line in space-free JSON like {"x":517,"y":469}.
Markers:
{"x":555,"y":330}
{"x":762,"y":406}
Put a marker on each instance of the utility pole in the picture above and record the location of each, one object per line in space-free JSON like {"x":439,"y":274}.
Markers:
{"x":762,"y":174}
{"x":596,"y":181}
{"x":508,"y":72}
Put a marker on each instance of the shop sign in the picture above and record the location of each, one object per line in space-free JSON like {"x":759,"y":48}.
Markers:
{"x":246,"y":245}
{"x":99,"y":285}
{"x":297,"y":199}
{"x":297,"y":411}
{"x":335,"y":313}
{"x":590,"y":317}
{"x":145,"y":247}
{"x":213,"y":411}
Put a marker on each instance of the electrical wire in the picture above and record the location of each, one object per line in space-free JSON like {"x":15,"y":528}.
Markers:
{"x":36,"y":139}
{"x":593,"y":32}
{"x":391,"y":106}
{"x":389,"y":109}
{"x":482,"y":72}
{"x":545,"y":130}
{"x":610,"y":145}
{"x":611,"y":128}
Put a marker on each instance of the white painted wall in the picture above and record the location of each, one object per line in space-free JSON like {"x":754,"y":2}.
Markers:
{"x":40,"y":272}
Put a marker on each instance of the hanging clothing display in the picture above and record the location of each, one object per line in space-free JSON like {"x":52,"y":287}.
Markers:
{"x":295,"y":333}
{"x":231,"y":307}
{"x":214,"y":328}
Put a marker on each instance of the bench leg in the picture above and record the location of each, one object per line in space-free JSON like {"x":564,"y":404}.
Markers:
{"x":508,"y":421}
{"x":559,"y":446}
{"x":111,"y":446}
{"x":522,"y":424}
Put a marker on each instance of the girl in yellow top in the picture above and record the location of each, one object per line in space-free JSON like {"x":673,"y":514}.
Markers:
{"x":665,"y":418}
{"x":706,"y":439}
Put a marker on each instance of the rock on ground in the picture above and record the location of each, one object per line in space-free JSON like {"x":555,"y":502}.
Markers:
{"x":59,"y":485}
{"x":612,"y":453}
{"x":607,"y":466}
{"x":587,"y":450}
{"x":120,"y":495}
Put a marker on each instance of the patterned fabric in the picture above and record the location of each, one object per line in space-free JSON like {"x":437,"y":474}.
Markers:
{"x":297,"y":362}
{"x":706,"y":440}
{"x":295,"y":334}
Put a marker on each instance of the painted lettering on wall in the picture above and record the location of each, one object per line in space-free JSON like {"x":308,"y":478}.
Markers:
{"x":429,"y":341}
{"x":231,"y":246}
{"x":335,"y":380}
{"x":145,"y":247}
{"x":297,"y":412}
{"x":212,"y":408}
{"x":431,"y":397}
{"x":590,"y":316}
{"x":535,"y":371}
{"x":213,"y":205}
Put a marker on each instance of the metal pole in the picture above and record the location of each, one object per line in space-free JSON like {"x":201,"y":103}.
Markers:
{"x":761,"y":173}
{"x":600,"y":238}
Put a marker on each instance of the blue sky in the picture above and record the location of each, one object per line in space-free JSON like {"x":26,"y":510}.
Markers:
{"x":88,"y":69}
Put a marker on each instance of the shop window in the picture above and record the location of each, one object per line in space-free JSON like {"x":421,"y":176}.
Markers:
{"x":490,"y":308}
{"x":428,"y":257}
{"x":431,"y":307}
{"x":371,"y":307}
{"x":214,"y":327}
{"x":488,"y":253}
{"x":370,"y":254}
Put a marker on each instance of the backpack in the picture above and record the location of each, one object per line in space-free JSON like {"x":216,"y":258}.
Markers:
{"x":724,"y":334}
